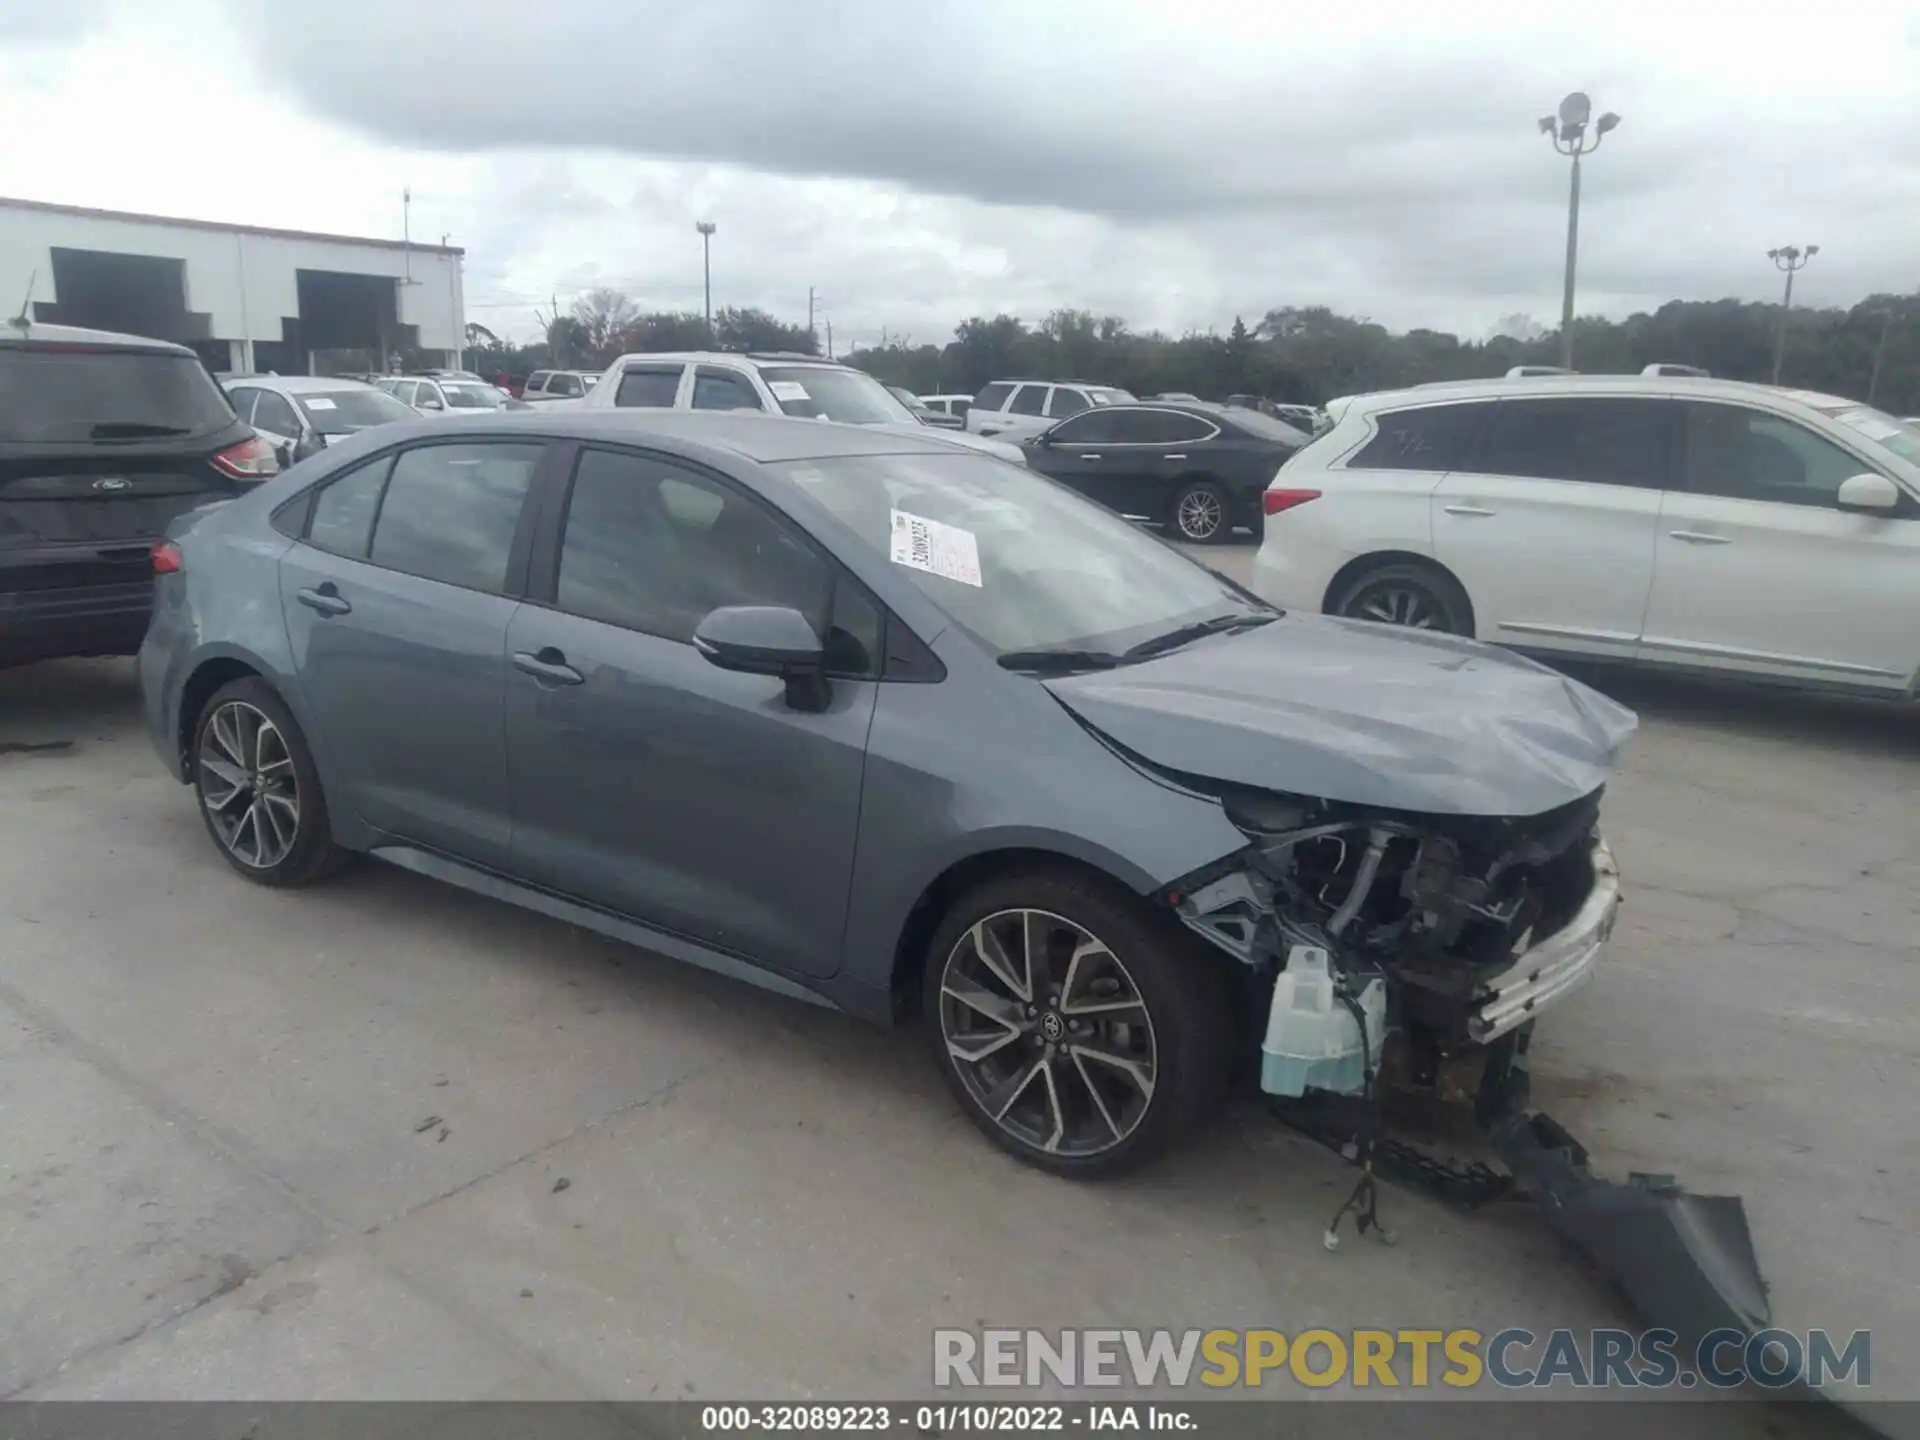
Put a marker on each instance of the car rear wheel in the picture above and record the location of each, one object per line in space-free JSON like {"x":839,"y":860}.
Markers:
{"x":1416,"y":596}
{"x":1079,"y":1031}
{"x":258,"y":790}
{"x":1202,"y":514}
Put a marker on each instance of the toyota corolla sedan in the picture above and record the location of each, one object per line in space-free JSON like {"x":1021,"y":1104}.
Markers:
{"x":904,"y":729}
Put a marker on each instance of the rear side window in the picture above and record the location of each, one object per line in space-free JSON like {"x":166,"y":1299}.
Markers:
{"x":450,"y":512}
{"x":242,"y":401}
{"x":343,"y":511}
{"x":1066,"y":402}
{"x":1434,"y":437}
{"x":1600,"y":441}
{"x":53,"y":396}
{"x":1031,"y":400}
{"x":648,"y":389}
{"x":994,"y":397}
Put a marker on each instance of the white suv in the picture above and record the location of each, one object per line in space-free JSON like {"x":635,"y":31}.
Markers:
{"x":773,"y":383}
{"x":1693,"y":523}
{"x":1019,"y":409}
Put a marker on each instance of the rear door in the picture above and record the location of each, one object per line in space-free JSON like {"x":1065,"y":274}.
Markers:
{"x":1025,"y":413}
{"x":99,"y":451}
{"x":1550,"y":521}
{"x":397,"y":600}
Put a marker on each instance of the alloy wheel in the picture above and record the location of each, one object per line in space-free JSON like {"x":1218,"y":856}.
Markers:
{"x":248,"y":785}
{"x":1200,"y":515}
{"x":1398,"y":605}
{"x":1048,"y":1032}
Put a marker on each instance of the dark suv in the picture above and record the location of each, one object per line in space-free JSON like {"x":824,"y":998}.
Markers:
{"x":104,"y":439}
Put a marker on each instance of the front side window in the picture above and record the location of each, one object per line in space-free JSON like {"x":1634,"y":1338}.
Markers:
{"x":473,"y":397}
{"x":536,"y":381}
{"x":1750,"y":455}
{"x":656,"y":548}
{"x":648,"y":387}
{"x":450,"y":512}
{"x":1066,"y":401}
{"x":272,"y":413}
{"x":1600,"y":441}
{"x":717,"y":388}
{"x":1091,"y":427}
{"x":1055,"y":571}
{"x":1031,"y":400}
{"x":1431,"y":438}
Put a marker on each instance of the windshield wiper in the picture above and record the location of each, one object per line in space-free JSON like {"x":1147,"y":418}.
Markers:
{"x":1059,"y":662}
{"x":1218,"y":625}
{"x":132,"y":430}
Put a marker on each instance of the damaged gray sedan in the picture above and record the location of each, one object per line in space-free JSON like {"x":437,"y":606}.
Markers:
{"x":903,"y":729}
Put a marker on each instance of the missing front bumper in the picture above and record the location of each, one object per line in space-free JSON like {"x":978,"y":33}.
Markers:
{"x":1555,"y":967}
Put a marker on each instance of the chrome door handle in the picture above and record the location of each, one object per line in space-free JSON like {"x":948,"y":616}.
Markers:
{"x":325,"y":599}
{"x":1699,"y":537}
{"x":1466,"y":510}
{"x":548,"y":666}
{"x":1089,"y":457}
{"x":1173,"y":457}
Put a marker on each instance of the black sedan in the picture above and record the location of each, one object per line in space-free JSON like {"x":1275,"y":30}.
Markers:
{"x":1199,"y":468}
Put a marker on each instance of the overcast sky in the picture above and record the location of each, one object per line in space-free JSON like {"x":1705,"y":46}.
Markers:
{"x":922,"y":160}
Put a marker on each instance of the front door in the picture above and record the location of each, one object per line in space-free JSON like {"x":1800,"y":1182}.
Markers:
{"x":1759,"y":573}
{"x":1549,"y":522}
{"x":646,"y":780}
{"x":399,"y":635}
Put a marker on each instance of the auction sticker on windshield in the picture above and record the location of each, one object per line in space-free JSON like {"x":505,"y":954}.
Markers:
{"x":787,"y":389}
{"x":943,"y":550}
{"x":319,"y":402}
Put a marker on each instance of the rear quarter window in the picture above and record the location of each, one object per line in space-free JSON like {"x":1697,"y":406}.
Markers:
{"x":994,"y":397}
{"x":1431,"y":437}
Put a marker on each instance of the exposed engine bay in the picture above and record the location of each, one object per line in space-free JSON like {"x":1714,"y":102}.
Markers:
{"x":1445,"y":932}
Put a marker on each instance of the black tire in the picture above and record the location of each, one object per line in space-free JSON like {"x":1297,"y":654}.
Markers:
{"x":1201,"y":513}
{"x":1101,"y":1118}
{"x":1427,"y":596}
{"x":276,"y":846}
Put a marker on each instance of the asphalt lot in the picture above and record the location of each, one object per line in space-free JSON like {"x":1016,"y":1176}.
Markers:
{"x":312,"y":1145}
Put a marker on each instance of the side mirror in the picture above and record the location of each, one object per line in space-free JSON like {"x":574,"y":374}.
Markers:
{"x":768,"y":640}
{"x":431,"y":404}
{"x":1868,"y":494}
{"x":311,"y":443}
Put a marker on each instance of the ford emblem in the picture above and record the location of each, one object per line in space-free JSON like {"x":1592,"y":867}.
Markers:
{"x":113,"y":482}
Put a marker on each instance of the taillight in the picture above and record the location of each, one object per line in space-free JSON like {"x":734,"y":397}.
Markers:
{"x":251,"y":459}
{"x":1274,"y":501}
{"x":167,"y":559}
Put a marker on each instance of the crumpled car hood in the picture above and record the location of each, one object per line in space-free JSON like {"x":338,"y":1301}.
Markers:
{"x":1365,"y":713}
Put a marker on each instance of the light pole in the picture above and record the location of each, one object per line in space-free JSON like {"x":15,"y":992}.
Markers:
{"x":705,"y":227}
{"x":1788,"y":258}
{"x":1570,"y":136}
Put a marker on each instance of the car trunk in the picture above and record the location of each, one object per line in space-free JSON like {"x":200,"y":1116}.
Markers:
{"x":90,"y":517}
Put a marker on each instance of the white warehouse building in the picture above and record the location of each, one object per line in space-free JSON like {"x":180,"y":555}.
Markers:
{"x":248,"y":299}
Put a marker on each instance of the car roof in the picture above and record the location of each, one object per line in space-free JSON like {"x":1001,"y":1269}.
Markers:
{"x":751,"y":358}
{"x":35,"y":333}
{"x":750,"y":434}
{"x":1535,"y":387}
{"x":300,"y":384}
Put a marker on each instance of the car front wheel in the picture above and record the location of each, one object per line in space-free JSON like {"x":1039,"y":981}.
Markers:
{"x":1202,"y":513}
{"x":258,"y":790}
{"x":1079,"y":1031}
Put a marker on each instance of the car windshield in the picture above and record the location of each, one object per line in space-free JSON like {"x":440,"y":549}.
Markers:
{"x":1028,"y":564}
{"x":472,"y":397}
{"x":1902,"y":437}
{"x":817,"y":392}
{"x":1110,"y":397}
{"x":52,"y":395}
{"x":341,"y":412}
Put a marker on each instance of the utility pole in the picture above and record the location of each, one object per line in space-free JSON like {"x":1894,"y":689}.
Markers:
{"x":829,"y":337}
{"x":706,"y":228}
{"x":406,"y":229}
{"x":1789,"y":258}
{"x":810,"y":330}
{"x":1570,"y":136}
